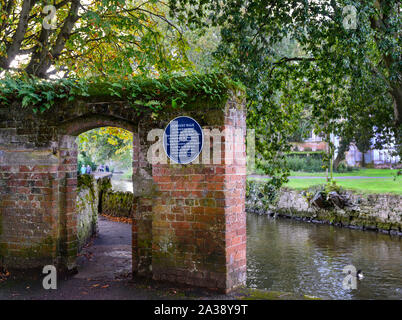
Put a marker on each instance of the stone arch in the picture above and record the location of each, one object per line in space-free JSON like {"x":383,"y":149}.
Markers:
{"x":67,"y":151}
{"x":190,"y":224}
{"x":75,"y":127}
{"x":70,"y":122}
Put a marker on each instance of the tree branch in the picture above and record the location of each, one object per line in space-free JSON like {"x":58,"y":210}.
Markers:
{"x":14,"y":47}
{"x":42,"y":58}
{"x":286,"y":59}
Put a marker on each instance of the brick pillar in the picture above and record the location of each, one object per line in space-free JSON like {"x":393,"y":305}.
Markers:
{"x":28,"y":199}
{"x":199,"y":221}
{"x":142,"y":209}
{"x":235,"y":194}
{"x":67,"y":196}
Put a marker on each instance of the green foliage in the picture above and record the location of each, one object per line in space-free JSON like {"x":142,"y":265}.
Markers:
{"x":142,"y":93}
{"x":100,"y":146}
{"x":83,"y":159}
{"x":343,"y":167}
{"x":332,"y":186}
{"x":304,"y":127}
{"x":294,"y":56}
{"x":261,"y":194}
{"x":109,"y":37}
{"x":85,"y":181}
{"x":104,"y":184}
{"x":117,"y":204}
{"x":304,"y":161}
{"x":363,"y":141}
{"x":38,"y":93}
{"x":304,"y":154}
{"x":306,"y":164}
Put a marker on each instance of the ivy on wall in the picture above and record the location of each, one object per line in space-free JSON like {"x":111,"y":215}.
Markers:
{"x":140,"y":92}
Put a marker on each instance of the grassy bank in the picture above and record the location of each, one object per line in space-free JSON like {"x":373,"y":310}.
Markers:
{"x":355,"y":173}
{"x":380,"y":185}
{"x":381,"y":181}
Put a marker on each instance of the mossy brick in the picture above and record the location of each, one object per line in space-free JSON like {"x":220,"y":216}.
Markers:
{"x":188,"y":255}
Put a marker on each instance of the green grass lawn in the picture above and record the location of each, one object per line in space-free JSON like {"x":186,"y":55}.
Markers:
{"x":386,"y":185}
{"x":357,"y":173}
{"x":378,"y":185}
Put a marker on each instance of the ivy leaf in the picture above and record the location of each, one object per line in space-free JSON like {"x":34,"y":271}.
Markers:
{"x":174,"y":104}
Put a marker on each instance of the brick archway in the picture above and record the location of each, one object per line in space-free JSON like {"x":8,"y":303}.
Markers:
{"x":189,"y":224}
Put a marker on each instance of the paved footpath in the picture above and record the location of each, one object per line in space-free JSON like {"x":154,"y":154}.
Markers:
{"x":104,"y":272}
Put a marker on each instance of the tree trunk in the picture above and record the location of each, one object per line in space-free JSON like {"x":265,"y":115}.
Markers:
{"x":43,"y":56}
{"x":338,"y":160}
{"x":344,"y":145}
{"x":396,"y":93}
{"x":14,"y":47}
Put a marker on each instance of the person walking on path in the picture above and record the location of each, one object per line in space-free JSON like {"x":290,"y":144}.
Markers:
{"x":83,"y":169}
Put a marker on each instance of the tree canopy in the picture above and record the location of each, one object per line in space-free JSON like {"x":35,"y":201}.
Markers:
{"x":339,"y":61}
{"x":106,"y":38}
{"x":106,"y":144}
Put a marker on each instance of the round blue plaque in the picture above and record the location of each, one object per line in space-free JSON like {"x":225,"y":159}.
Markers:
{"x":183,"y":140}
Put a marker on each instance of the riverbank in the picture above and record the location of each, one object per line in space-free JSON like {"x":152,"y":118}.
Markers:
{"x":376,"y":212}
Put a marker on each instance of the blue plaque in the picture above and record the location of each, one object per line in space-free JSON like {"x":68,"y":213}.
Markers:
{"x":183,"y":140}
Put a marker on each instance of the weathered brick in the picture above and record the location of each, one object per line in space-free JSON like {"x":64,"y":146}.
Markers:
{"x":196,"y":210}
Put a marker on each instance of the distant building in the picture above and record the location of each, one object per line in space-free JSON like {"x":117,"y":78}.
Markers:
{"x":375,"y":157}
{"x":312,"y":143}
{"x":353,"y":157}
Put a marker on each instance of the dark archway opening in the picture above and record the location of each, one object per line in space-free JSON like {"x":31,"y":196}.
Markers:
{"x":104,"y":203}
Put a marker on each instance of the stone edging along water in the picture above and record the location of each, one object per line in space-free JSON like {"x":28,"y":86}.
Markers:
{"x":377,"y":212}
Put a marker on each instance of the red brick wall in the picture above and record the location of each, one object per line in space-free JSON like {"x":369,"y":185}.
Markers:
{"x":310,"y":146}
{"x":199,"y":221}
{"x":189,"y":220}
{"x":28,"y":206}
{"x":67,"y":217}
{"x":235,"y":194}
{"x":37,"y":206}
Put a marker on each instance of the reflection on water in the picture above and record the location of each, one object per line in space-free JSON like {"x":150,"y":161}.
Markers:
{"x":118,"y":184}
{"x":299,"y":257}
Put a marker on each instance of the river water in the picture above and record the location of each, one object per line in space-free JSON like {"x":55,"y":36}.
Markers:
{"x":305,"y":258}
{"x":121,"y":184}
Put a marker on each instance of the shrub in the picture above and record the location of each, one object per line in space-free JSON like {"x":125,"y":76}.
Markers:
{"x":82,"y":159}
{"x":343,"y":167}
{"x":324,"y":188}
{"x":306,"y":164}
{"x":260,"y":194}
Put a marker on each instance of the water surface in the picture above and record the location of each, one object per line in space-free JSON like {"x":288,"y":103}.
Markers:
{"x":119,"y":183}
{"x":306,"y":258}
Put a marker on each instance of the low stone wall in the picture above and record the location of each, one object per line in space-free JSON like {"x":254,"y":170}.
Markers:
{"x":378,"y":212}
{"x":87,"y":209}
{"x":117,"y":204}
